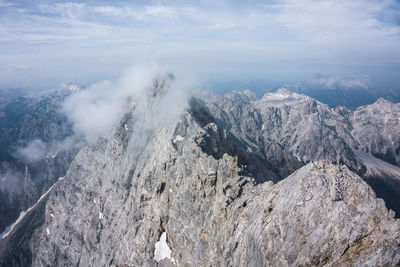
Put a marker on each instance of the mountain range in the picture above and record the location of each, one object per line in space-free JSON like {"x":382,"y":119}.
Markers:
{"x":234,"y":180}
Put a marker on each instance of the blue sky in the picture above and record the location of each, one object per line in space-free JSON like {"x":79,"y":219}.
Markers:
{"x":43,"y":43}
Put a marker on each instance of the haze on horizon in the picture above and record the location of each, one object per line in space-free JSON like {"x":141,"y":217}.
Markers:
{"x":44,"y":43}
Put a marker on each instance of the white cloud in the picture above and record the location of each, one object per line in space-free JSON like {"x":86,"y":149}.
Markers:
{"x":68,"y":9}
{"x":161,"y":11}
{"x":113,"y":11}
{"x":336,"y":21}
{"x":290,"y":35}
{"x":6,"y":3}
{"x":138,"y":13}
{"x":96,"y":111}
{"x":34,"y":151}
{"x":18,"y":67}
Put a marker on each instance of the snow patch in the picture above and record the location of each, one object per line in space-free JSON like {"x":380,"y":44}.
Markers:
{"x":126,"y":127}
{"x":101,"y":215}
{"x":178,"y":138}
{"x":47,"y":231}
{"x":52,"y":215}
{"x":51,"y":156}
{"x":162,"y":250}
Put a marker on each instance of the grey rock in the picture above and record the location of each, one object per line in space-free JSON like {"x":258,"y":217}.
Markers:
{"x":377,"y":128}
{"x":213,"y":178}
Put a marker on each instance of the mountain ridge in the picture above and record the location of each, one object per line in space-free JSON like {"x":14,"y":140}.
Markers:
{"x":200,"y":177}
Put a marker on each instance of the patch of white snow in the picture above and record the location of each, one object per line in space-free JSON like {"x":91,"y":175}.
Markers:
{"x":178,"y":138}
{"x":162,"y":250}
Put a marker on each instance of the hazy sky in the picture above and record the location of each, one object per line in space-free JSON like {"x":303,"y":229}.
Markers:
{"x":43,"y":43}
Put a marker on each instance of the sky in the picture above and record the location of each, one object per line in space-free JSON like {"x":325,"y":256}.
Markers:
{"x":45,"y":43}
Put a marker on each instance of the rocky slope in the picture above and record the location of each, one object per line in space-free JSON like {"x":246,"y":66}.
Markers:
{"x":377,"y":128}
{"x":207,"y":185}
{"x":288,"y":130}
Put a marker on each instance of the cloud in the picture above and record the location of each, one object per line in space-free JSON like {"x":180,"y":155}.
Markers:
{"x":33,"y":151}
{"x":153,"y":96}
{"x":36,"y":150}
{"x":17,"y":67}
{"x":6,"y":3}
{"x":279,"y":37}
{"x":334,"y":81}
{"x":337,"y":21}
{"x":161,"y":11}
{"x":113,"y":11}
{"x":68,"y":9}
{"x":137,"y":13}
{"x":96,"y":111}
{"x":10,"y":181}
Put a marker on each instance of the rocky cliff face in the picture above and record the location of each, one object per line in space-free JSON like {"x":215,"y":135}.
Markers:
{"x":377,"y":128}
{"x":206,"y":186}
{"x":286,"y":129}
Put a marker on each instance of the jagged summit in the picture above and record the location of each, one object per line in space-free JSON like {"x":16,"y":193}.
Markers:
{"x":72,"y":87}
{"x":161,"y":84}
{"x":283,"y":90}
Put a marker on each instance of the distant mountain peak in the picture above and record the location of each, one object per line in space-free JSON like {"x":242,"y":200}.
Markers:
{"x":72,"y":87}
{"x":282,"y":94}
{"x":283,"y":90}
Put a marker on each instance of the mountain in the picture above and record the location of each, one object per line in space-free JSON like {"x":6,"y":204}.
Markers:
{"x":221,"y":180}
{"x":28,"y":118}
{"x":376,"y":128}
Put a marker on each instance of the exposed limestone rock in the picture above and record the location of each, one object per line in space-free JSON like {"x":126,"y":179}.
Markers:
{"x":213,"y":216}
{"x":204,"y":183}
{"x":377,"y":129}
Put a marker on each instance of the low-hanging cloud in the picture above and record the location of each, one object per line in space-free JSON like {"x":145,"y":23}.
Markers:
{"x":96,"y":111}
{"x":33,"y":151}
{"x":36,"y":150}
